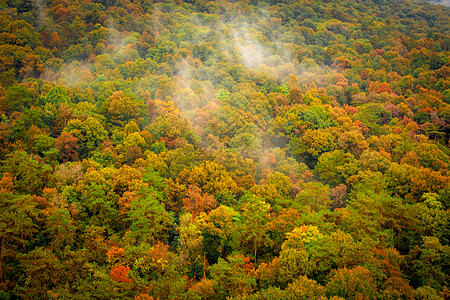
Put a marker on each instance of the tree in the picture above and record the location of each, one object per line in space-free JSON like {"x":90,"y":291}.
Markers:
{"x":336,"y":166}
{"x":336,"y":250}
{"x":210,"y":177}
{"x":428,"y":263}
{"x":170,"y":126}
{"x":18,"y":223}
{"x":41,"y":268}
{"x":90,"y":133}
{"x":183,"y":158}
{"x":315,"y":195}
{"x":242,"y":170}
{"x":374,"y":115}
{"x":301,"y":117}
{"x":295,"y":92}
{"x":276,"y":189}
{"x":281,"y":224}
{"x":122,"y":107}
{"x":218,"y":233}
{"x":353,"y":283}
{"x":372,"y":213}
{"x":426,"y":292}
{"x":60,"y":230}
{"x":57,"y":95}
{"x":278,"y":160}
{"x":24,"y":32}
{"x":270,"y":293}
{"x":119,"y":274}
{"x":95,"y":243}
{"x":43,"y":145}
{"x":233,"y":276}
{"x":195,"y":202}
{"x":294,"y":260}
{"x":253,"y":224}
{"x":312,"y":144}
{"x":29,"y":174}
{"x":19,"y":97}
{"x":95,"y":197}
{"x":304,"y":288}
{"x":33,"y":66}
{"x":191,"y":241}
{"x":386,"y":266}
{"x":149,"y":219}
{"x":375,"y":161}
{"x":67,"y":145}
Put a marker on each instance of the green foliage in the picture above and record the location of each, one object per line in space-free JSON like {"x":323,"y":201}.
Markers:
{"x":18,"y":225}
{"x":149,"y":219}
{"x":57,"y":95}
{"x":232,"y":276}
{"x":29,"y":174}
{"x":89,"y":132}
{"x":253,"y":224}
{"x":429,"y":262}
{"x":336,"y":166}
{"x":352,"y":284}
{"x":305,"y":288}
{"x":224,"y":149}
{"x":315,"y":195}
{"x":300,"y":117}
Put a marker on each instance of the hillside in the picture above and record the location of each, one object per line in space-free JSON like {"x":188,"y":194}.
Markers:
{"x":239,"y":149}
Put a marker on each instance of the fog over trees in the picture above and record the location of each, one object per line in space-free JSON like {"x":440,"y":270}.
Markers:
{"x":243,"y":149}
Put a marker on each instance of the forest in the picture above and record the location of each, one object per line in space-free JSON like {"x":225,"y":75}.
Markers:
{"x":228,"y":149}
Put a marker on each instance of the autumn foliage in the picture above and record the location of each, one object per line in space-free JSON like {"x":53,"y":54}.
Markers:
{"x":119,"y":274}
{"x":264,"y":149}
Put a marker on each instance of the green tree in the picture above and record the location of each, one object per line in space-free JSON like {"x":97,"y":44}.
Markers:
{"x":18,"y":224}
{"x":428,"y":263}
{"x":312,"y":144}
{"x":218,"y":233}
{"x":301,"y":117}
{"x":191,"y":241}
{"x":337,"y":166}
{"x":29,"y":174}
{"x":373,"y":213}
{"x":233,"y":276}
{"x":94,"y":195}
{"x":19,"y":97}
{"x":314,"y":194}
{"x":60,"y":230}
{"x":57,"y":95}
{"x":41,"y":269}
{"x":304,"y":288}
{"x":294,"y":258}
{"x":255,"y":213}
{"x":353,"y":283}
{"x":149,"y":219}
{"x":90,"y":133}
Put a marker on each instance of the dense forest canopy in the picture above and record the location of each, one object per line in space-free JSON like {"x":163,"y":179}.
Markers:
{"x":246,"y":149}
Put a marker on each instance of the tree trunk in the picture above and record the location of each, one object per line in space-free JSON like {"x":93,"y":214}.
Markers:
{"x":1,"y":259}
{"x":204,"y":265}
{"x":255,"y":253}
